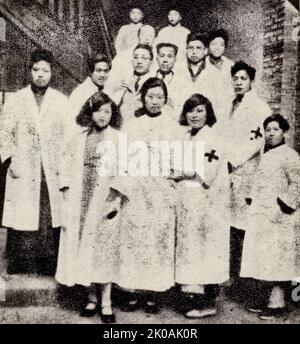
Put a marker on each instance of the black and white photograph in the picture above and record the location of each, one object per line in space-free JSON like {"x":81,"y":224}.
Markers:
{"x":149,"y":162}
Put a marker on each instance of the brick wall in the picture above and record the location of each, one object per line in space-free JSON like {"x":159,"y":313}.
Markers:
{"x":297,"y":107}
{"x":279,"y":60}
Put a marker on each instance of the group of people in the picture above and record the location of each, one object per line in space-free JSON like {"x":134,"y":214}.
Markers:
{"x":192,"y":228}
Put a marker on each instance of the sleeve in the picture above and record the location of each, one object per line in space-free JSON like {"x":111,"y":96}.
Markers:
{"x":251,"y":139}
{"x":8,"y":127}
{"x":290,"y":196}
{"x":213,"y":162}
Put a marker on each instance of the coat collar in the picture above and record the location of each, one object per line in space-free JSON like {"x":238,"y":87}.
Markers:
{"x":32,"y":104}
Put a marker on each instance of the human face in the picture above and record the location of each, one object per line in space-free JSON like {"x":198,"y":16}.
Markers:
{"x":273,"y":134}
{"x":141,"y":61}
{"x":100,"y":73}
{"x":102,"y":117}
{"x":166,"y":59}
{"x":174,"y":17}
{"x":154,"y":99}
{"x":196,"y":118}
{"x":196,"y":51}
{"x":41,"y":74}
{"x":147,"y":35}
{"x":241,"y":82}
{"x":136,"y":15}
{"x":217,"y":47}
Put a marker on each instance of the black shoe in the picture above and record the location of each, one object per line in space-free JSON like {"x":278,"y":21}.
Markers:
{"x":130,"y":305}
{"x":273,"y":313}
{"x":107,"y":318}
{"x":89,"y":312}
{"x":151,"y":307}
{"x":198,"y":306}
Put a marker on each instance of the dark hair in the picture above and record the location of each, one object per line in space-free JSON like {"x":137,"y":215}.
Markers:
{"x":93,"y":104}
{"x":96,"y":59}
{"x":136,"y":8}
{"x":241,"y":65}
{"x":146,"y":47}
{"x":174,"y":8}
{"x":147,"y":85}
{"x":218,"y":33}
{"x":144,"y":26}
{"x":194,"y":101}
{"x":167,"y":45}
{"x":41,"y":55}
{"x":196,"y":36}
{"x":283,"y":123}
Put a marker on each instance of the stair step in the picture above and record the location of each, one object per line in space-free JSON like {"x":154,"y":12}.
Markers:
{"x":25,"y":290}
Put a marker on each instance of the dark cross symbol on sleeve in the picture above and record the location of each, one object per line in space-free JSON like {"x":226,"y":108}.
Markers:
{"x":257,"y":134}
{"x":211,"y":156}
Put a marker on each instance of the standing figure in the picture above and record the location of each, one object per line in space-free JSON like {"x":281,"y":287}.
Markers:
{"x":99,"y":67}
{"x":32,"y":133}
{"x":243,"y":136}
{"x":202,"y":249}
{"x":166,"y":59}
{"x":198,"y":77}
{"x":121,"y":63}
{"x":174,"y":33}
{"x":88,"y":253}
{"x":126,"y":90}
{"x":148,"y":219}
{"x":271,"y":247}
{"x":217,"y":45}
{"x":128,"y":34}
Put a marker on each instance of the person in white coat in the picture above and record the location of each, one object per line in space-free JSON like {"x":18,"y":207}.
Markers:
{"x":271,"y":247}
{"x":125,"y":91}
{"x":127,"y":36}
{"x":32,"y":132}
{"x":166,"y":60}
{"x":174,"y":33}
{"x":217,"y":45}
{"x":88,"y":252}
{"x":202,"y":240}
{"x":243,"y":136}
{"x":148,"y":219}
{"x":121,"y":63}
{"x":198,"y":76}
{"x":99,"y":67}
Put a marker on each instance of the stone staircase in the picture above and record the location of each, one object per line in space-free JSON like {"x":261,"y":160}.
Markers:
{"x":24,"y":290}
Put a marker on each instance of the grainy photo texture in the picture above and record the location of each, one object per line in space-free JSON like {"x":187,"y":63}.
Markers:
{"x":150,"y":168}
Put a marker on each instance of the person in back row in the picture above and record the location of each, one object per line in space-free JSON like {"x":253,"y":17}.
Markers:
{"x":99,"y":67}
{"x":243,"y":135}
{"x":126,"y":90}
{"x":128,"y":34}
{"x":174,"y":33}
{"x":166,"y":59}
{"x":198,"y":77}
